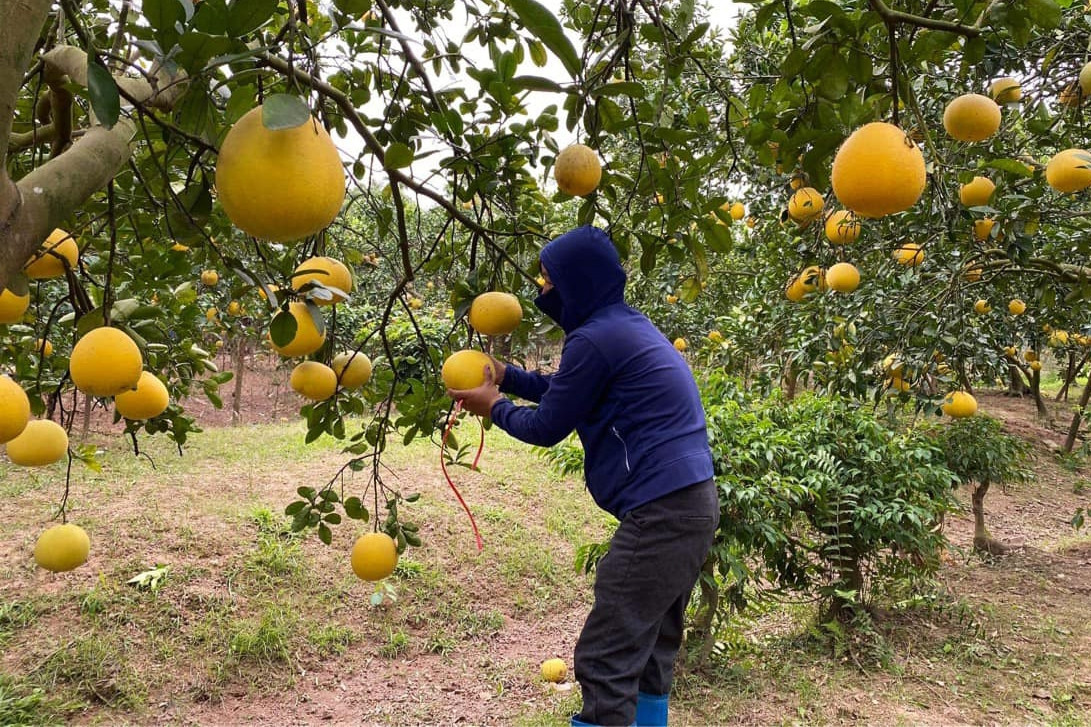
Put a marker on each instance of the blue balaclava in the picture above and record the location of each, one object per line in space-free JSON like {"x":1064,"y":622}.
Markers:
{"x":586,"y":273}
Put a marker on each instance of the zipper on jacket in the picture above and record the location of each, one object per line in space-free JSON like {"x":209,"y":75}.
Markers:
{"x":624,"y":448}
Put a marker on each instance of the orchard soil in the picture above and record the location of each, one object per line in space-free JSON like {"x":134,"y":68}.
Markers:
{"x":254,"y":626}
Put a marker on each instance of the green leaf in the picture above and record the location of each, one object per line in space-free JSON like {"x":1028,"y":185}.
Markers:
{"x":1045,"y":13}
{"x":537,"y":53}
{"x":535,"y":83}
{"x":540,"y":21}
{"x":325,"y":534}
{"x":284,"y":111}
{"x":282,"y":328}
{"x":164,"y":17}
{"x":355,"y":8}
{"x":1011,"y":166}
{"x":245,"y":16}
{"x":620,"y":88}
{"x":198,"y":48}
{"x":105,"y":99}
{"x":398,"y":156}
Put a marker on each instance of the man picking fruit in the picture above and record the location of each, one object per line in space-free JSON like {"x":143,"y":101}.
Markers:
{"x":633,"y":402}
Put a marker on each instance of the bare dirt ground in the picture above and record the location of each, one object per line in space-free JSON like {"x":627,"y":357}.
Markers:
{"x":462,"y":643}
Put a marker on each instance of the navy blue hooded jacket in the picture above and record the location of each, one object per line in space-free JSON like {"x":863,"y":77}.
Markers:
{"x":620,"y":385}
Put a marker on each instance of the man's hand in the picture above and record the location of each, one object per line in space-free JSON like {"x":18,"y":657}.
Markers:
{"x":480,"y":401}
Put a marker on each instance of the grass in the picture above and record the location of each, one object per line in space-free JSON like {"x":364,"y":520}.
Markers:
{"x":247,"y":606}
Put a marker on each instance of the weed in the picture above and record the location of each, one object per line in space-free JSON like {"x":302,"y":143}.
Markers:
{"x":268,"y":640}
{"x":332,"y":639}
{"x":14,"y":615}
{"x":397,"y":643}
{"x":25,"y":703}
{"x":97,"y":667}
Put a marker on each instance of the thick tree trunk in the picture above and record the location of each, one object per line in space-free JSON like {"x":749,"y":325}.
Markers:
{"x":1074,"y":428}
{"x":1016,"y":385}
{"x":850,"y":578}
{"x":983,"y":542}
{"x":1036,"y":392}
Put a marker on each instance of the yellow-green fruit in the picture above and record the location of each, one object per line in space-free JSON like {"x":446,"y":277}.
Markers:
{"x":977,"y":192}
{"x":577,"y":170}
{"x":843,"y":277}
{"x":1069,"y":171}
{"x":307,"y":338}
{"x":62,"y":548}
{"x":983,"y":228}
{"x":982,"y":307}
{"x":147,"y":401}
{"x":878,"y":171}
{"x":805,"y":204}
{"x":12,"y":306}
{"x":353,"y":369}
{"x":465,"y":369}
{"x":279,"y":185}
{"x":14,"y":409}
{"x":105,"y":362}
{"x":313,"y":380}
{"x":327,"y":271}
{"x":1017,"y":307}
{"x":795,"y":291}
{"x":58,"y":252}
{"x":1035,"y":365}
{"x":812,"y":279}
{"x":971,"y":117}
{"x":909,"y":253}
{"x":1030,"y":356}
{"x":44,"y":347}
{"x":738,"y":211}
{"x":1005,"y":90}
{"x":495,"y":313}
{"x":1085,"y":79}
{"x":41,"y":442}
{"x":959,"y":404}
{"x":554,"y":670}
{"x":842,"y":228}
{"x":715,"y":336}
{"x":210,"y":278}
{"x":374,"y":556}
{"x":680,"y":344}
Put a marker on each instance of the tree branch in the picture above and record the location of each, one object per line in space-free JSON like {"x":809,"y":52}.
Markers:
{"x":896,"y":16}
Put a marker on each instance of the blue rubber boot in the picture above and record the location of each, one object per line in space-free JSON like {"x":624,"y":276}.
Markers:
{"x":651,"y":710}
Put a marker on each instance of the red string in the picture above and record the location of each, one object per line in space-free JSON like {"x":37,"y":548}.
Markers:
{"x":443,"y":465}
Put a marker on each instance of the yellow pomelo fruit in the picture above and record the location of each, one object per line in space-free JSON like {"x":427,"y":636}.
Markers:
{"x":982,"y":228}
{"x":959,"y":404}
{"x":1005,"y":90}
{"x":44,"y":347}
{"x":147,"y":401}
{"x":495,"y":313}
{"x":795,"y":291}
{"x":465,"y":369}
{"x":234,"y":308}
{"x":738,"y":211}
{"x":878,"y":171}
{"x":14,"y":409}
{"x":982,"y":307}
{"x":1085,"y":79}
{"x":1017,"y":307}
{"x":307,"y":339}
{"x":211,"y":313}
{"x":1010,"y":351}
{"x":843,"y":277}
{"x":554,"y":670}
{"x":280,"y":185}
{"x":12,"y":306}
{"x":374,"y":556}
{"x":1030,"y":356}
{"x":105,"y":362}
{"x":672,"y":299}
{"x":805,"y":204}
{"x":909,"y":253}
{"x":210,"y":278}
{"x":1035,"y":365}
{"x":977,"y":192}
{"x":715,"y":336}
{"x":812,"y":279}
{"x":899,"y":384}
{"x":1058,"y":339}
{"x":327,"y":271}
{"x":57,"y":252}
{"x":1069,"y":171}
{"x":62,"y":548}
{"x":353,"y":369}
{"x":577,"y":170}
{"x":842,"y":227}
{"x":680,"y":344}
{"x":41,"y":442}
{"x":971,"y":117}
{"x":1071,"y":95}
{"x":313,"y":380}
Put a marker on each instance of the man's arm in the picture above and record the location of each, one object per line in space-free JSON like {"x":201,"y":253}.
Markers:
{"x":529,"y":385}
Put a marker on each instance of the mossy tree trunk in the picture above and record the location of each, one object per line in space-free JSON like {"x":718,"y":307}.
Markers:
{"x":1077,"y":418}
{"x":983,"y":541}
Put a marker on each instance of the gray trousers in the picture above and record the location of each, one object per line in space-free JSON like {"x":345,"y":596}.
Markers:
{"x":642,"y":587}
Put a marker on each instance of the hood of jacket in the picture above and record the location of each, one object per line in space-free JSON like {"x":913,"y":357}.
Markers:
{"x":586,"y":273}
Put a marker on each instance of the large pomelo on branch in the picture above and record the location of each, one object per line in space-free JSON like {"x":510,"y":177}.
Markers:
{"x":577,"y":170}
{"x":495,"y":313}
{"x":279,"y":184}
{"x":878,"y":171}
{"x":971,"y":117}
{"x":148,"y":400}
{"x":58,"y":253}
{"x":1069,"y":171}
{"x":465,"y":369}
{"x":105,"y":362}
{"x":14,"y":409}
{"x":42,"y":442}
{"x":12,"y":306}
{"x":325,"y":271}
